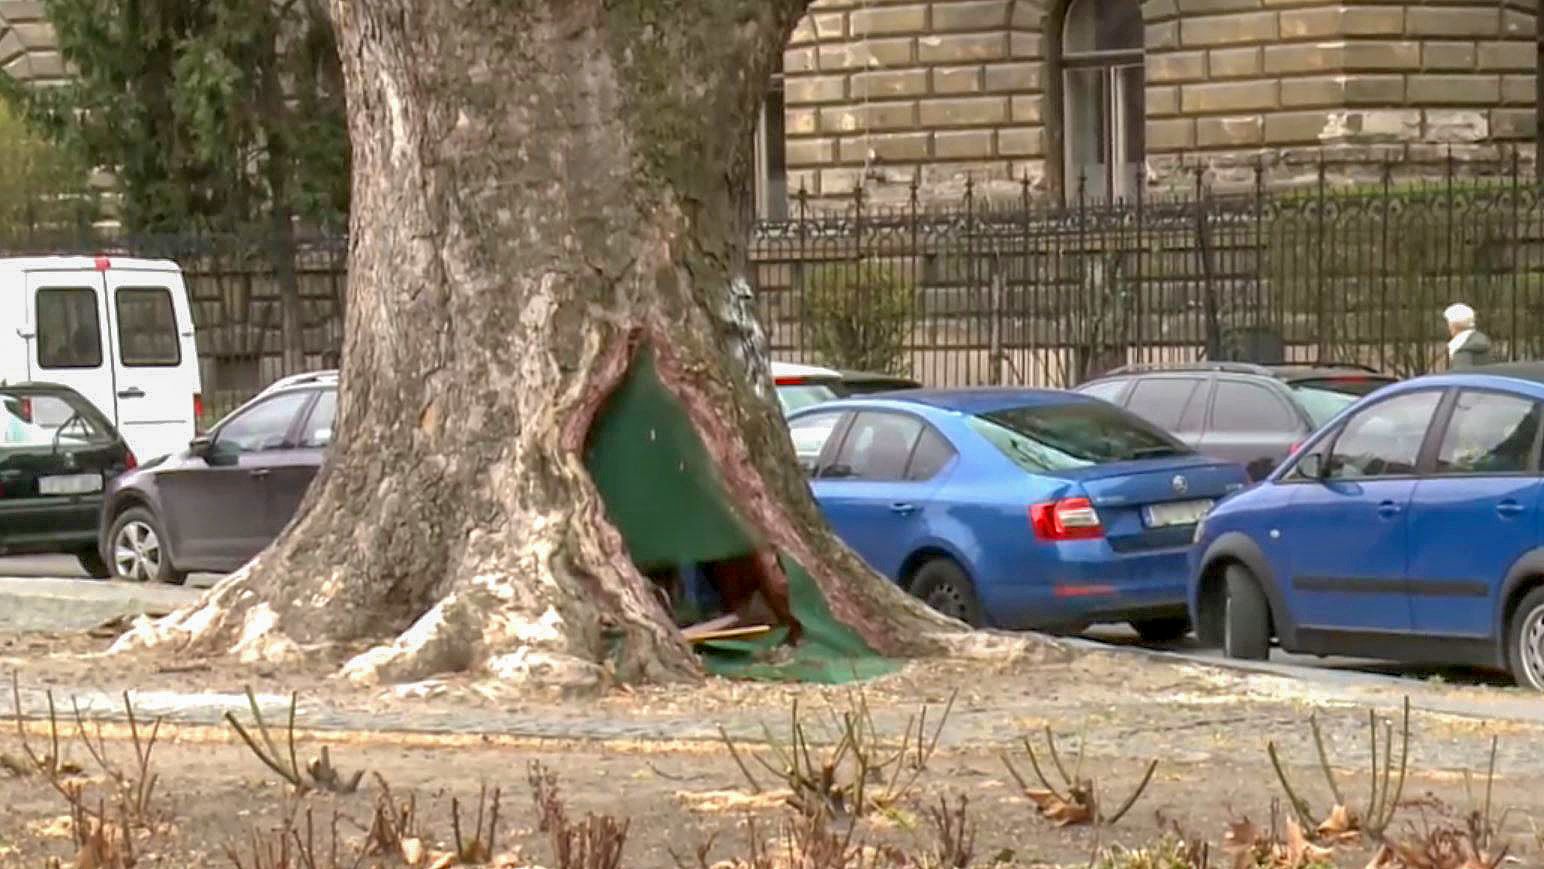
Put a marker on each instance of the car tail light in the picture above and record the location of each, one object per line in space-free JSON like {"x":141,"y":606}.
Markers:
{"x":790,"y":381}
{"x":1292,"y":450}
{"x":129,"y":461}
{"x":1067,"y":519}
{"x":26,"y":410}
{"x":198,"y":407}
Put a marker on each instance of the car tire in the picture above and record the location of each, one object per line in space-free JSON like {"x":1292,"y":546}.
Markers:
{"x":943,"y":585}
{"x":138,"y":550}
{"x":92,"y":563}
{"x":1525,"y":641}
{"x":1167,"y":630}
{"x":1246,"y":618}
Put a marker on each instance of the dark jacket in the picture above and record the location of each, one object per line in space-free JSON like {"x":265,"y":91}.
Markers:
{"x":1474,"y":352}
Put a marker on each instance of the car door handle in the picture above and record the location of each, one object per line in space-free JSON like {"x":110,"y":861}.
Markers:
{"x":131,"y":392}
{"x":1388,"y":509}
{"x":1509,"y":508}
{"x":903,"y":509}
{"x":261,"y":472}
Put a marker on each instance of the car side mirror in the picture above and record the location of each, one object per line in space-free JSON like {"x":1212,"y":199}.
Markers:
{"x":199,"y":446}
{"x":216,"y":454}
{"x":1311,"y":466}
{"x":838,"y":472}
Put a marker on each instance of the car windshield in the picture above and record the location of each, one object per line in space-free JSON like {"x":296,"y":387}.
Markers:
{"x":42,"y":419}
{"x":798,"y":396}
{"x":1323,"y":399}
{"x":1042,"y":439}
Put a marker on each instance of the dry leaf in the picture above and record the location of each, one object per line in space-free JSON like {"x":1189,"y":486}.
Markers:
{"x":1300,"y":851}
{"x":413,"y":851}
{"x":444,"y":861}
{"x":1341,"y":826}
{"x":1059,"y":811}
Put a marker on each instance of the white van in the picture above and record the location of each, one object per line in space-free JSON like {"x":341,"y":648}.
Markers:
{"x":117,"y":330}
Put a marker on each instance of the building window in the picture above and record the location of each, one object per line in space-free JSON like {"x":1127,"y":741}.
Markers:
{"x":771,"y":153}
{"x":1102,"y":97}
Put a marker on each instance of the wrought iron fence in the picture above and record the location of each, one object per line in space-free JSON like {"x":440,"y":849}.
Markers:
{"x":1038,"y":293}
{"x":1025,"y":291}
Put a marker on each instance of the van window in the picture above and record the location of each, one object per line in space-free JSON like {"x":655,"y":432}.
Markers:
{"x":69,"y":331}
{"x":147,"y":327}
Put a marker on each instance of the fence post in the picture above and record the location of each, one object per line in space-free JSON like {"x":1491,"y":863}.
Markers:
{"x":1212,"y":325}
{"x":1513,"y":266}
{"x":1321,"y":311}
{"x":918,"y":274}
{"x":1383,"y":266}
{"x":799,"y":276}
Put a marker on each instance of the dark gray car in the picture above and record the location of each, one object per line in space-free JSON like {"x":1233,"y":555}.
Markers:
{"x":215,"y":505}
{"x":1250,"y":414}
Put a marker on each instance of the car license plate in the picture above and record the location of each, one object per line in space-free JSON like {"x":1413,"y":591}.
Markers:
{"x":70,"y":484}
{"x":1178,"y":513}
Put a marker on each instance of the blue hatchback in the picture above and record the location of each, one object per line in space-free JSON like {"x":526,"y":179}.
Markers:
{"x":1409,"y":528}
{"x":1015,"y":508}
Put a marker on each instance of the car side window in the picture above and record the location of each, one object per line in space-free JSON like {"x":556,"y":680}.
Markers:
{"x":1162,"y":400}
{"x":1384,"y":440}
{"x":932,"y":454}
{"x":1240,"y":407}
{"x":1490,"y":433}
{"x":317,"y":432}
{"x":877,"y":447}
{"x":810,"y":434}
{"x":69,"y":330}
{"x":147,"y":328}
{"x":1106,"y":390}
{"x":263,"y":426}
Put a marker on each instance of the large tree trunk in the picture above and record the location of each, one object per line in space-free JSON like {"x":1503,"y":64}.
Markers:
{"x":542,"y":190}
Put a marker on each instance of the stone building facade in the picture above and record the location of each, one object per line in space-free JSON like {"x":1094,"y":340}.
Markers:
{"x":27,"y":48}
{"x":1104,"y":96}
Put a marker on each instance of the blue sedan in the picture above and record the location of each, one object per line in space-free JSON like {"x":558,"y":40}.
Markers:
{"x":1015,"y":508}
{"x":1409,"y":528}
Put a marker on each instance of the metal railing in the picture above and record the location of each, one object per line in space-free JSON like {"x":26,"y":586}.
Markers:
{"x":1025,"y":291}
{"x":1045,"y":293}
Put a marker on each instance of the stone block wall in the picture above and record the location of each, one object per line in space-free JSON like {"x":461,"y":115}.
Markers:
{"x":1230,"y":82}
{"x":882,"y":93}
{"x":890,"y":93}
{"x":28,"y":51}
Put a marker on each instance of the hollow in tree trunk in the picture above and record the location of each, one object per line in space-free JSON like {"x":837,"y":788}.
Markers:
{"x":545,"y":193}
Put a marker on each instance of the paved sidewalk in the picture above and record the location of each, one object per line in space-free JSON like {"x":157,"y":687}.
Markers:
{"x":63,"y":605}
{"x":1200,"y":714}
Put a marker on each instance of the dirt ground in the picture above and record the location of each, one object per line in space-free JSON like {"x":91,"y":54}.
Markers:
{"x":1206,"y":727}
{"x":216,"y":796}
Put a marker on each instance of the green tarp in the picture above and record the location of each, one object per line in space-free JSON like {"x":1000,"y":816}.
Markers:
{"x":665,"y":497}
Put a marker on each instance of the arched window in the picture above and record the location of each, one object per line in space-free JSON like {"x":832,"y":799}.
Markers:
{"x":1102,"y":91}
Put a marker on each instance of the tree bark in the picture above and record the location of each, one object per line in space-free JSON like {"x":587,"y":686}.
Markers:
{"x":542,"y":190}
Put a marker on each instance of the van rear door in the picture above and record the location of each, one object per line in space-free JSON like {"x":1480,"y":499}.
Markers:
{"x":155,"y":363}
{"x":68,"y":323}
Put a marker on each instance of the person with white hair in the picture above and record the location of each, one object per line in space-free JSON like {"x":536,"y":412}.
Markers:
{"x":1468,"y":347}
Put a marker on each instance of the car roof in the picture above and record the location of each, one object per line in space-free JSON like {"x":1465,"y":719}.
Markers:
{"x":1282,"y":371}
{"x":973,"y":400}
{"x":1531,"y":371}
{"x":323,"y":377}
{"x":794,"y":369}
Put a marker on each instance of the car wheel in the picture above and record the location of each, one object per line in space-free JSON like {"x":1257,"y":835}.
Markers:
{"x":1246,"y":618}
{"x":91,"y":562}
{"x":1525,"y":641}
{"x":942,"y":585}
{"x":1162,"y":630}
{"x":138,"y":549}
